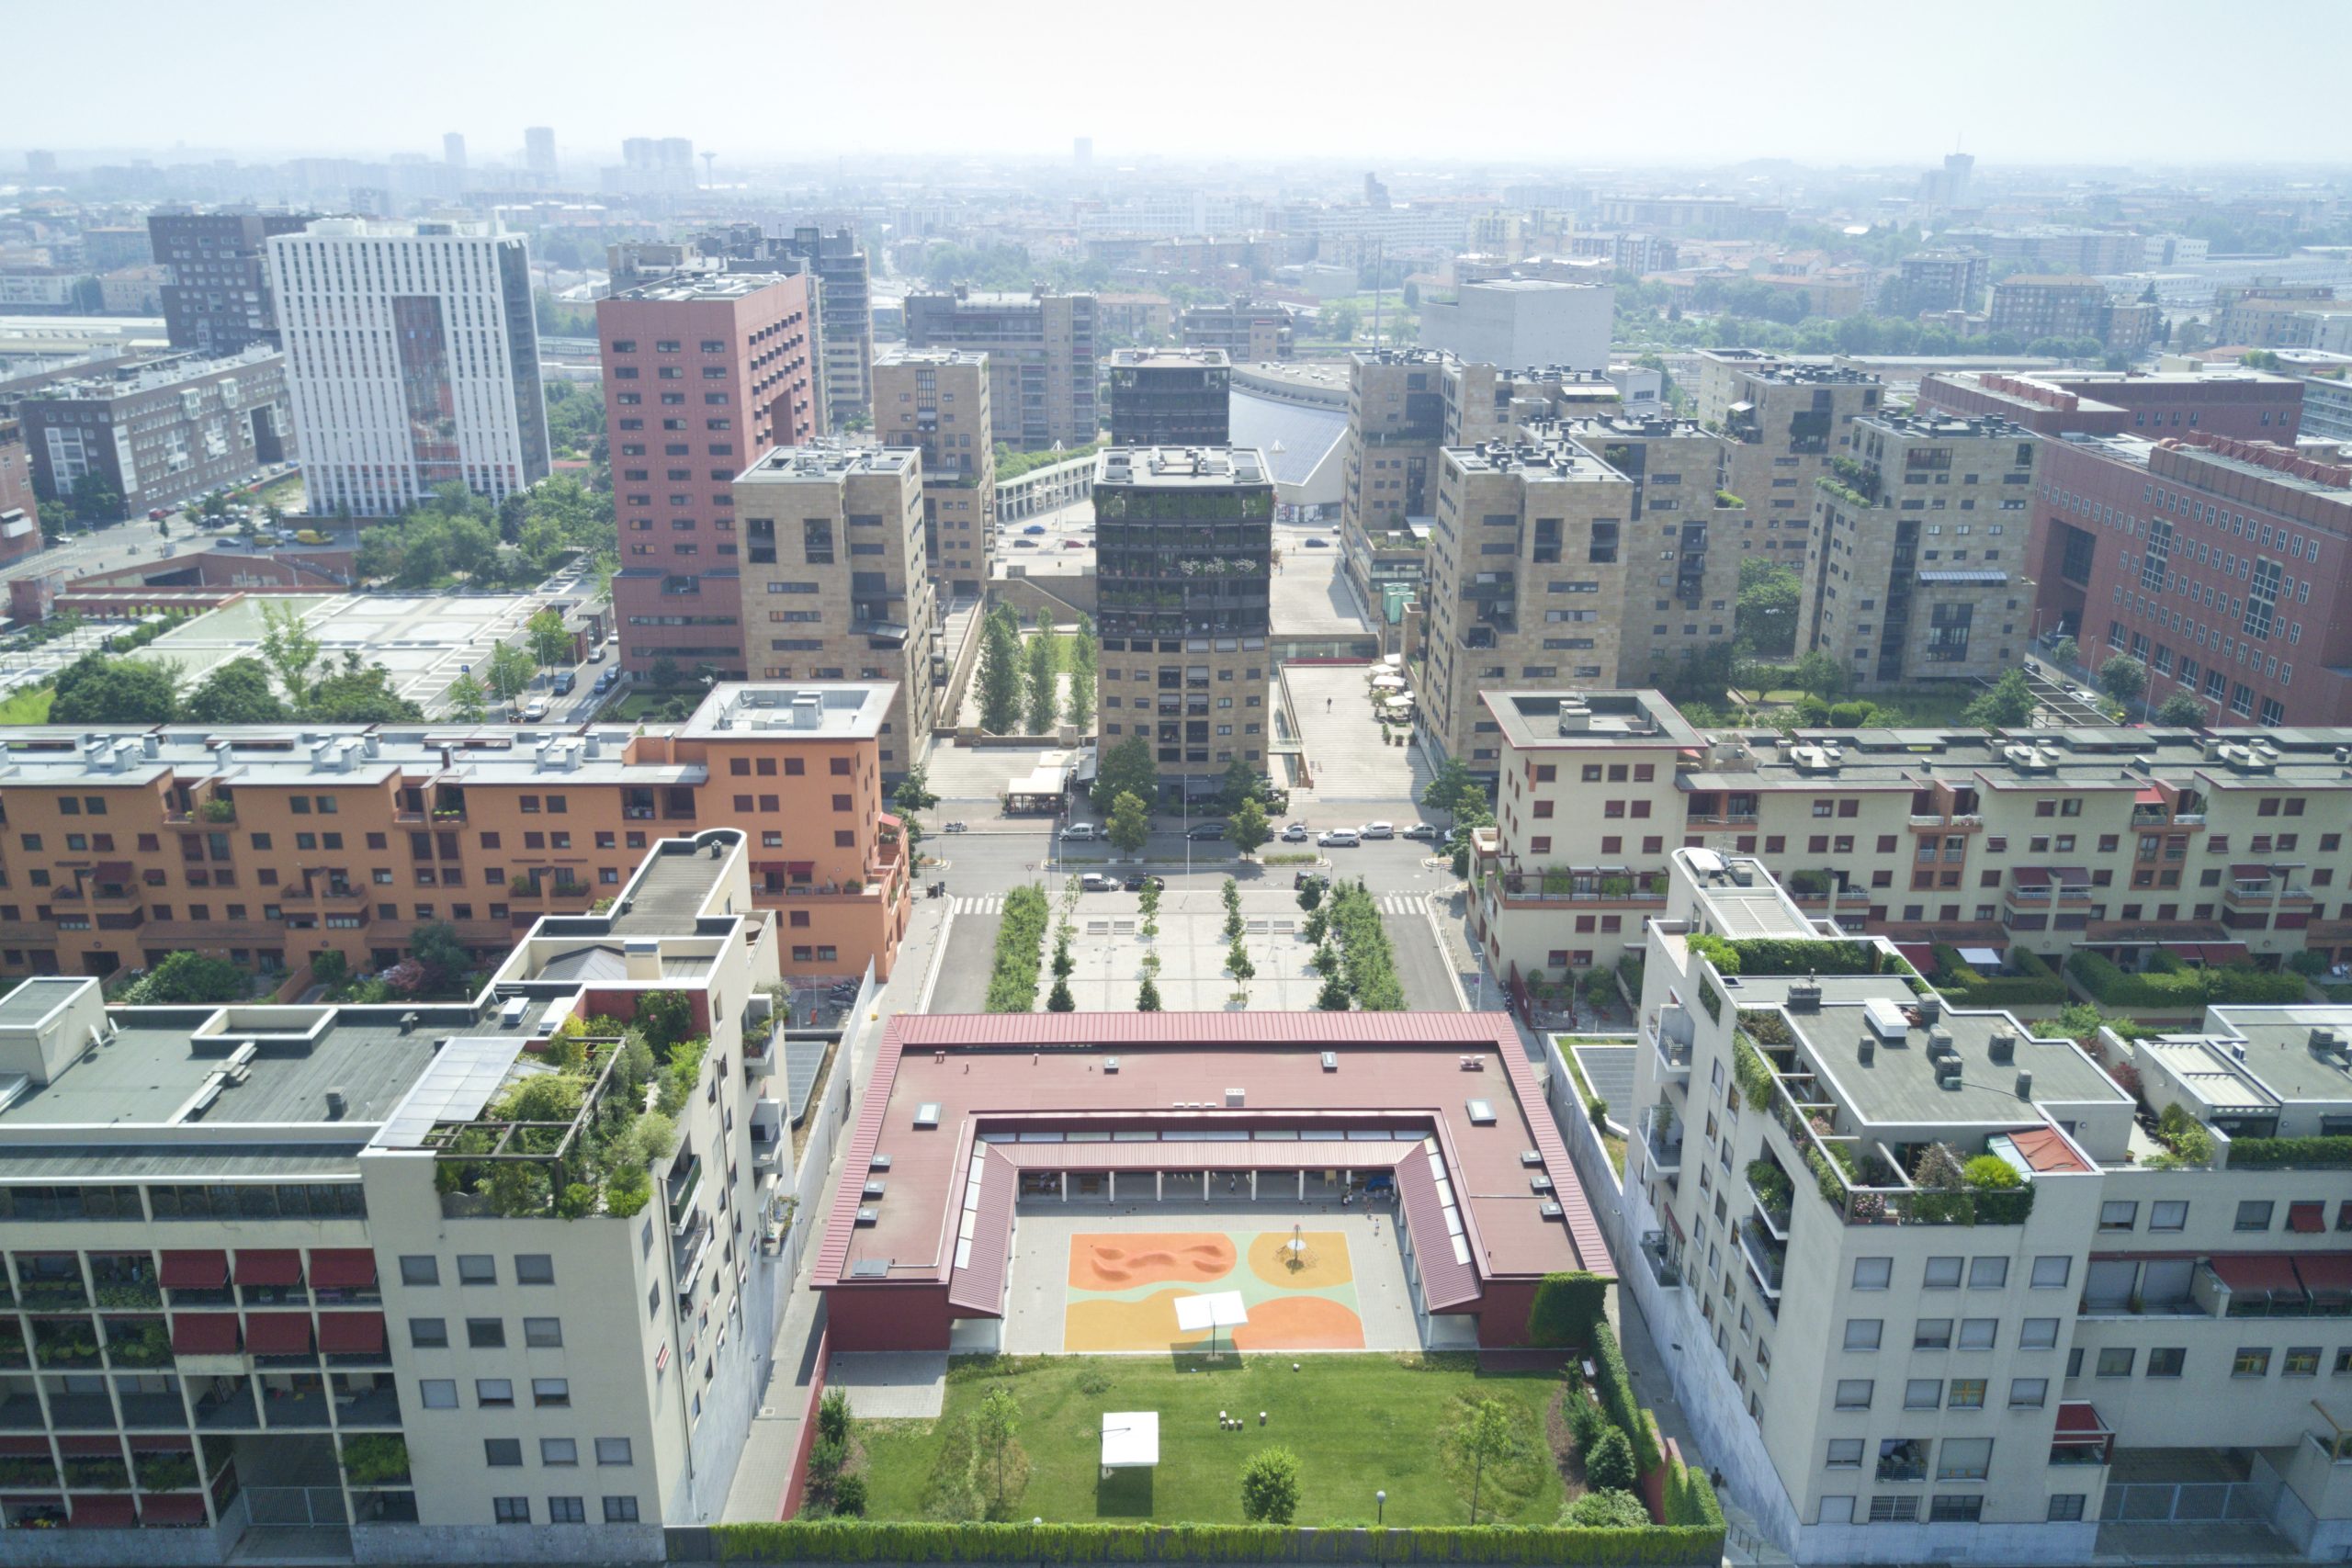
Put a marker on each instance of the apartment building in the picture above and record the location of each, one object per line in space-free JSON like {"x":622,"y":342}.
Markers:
{"x":703,"y":370}
{"x":1491,"y":403}
{"x":1248,"y":332}
{"x":1171,"y":397}
{"x":218,"y":298}
{"x":280,"y":1304}
{"x":413,"y":361}
{"x":1914,"y":566}
{"x":1523,"y":321}
{"x":1040,"y":350}
{"x":837,"y":583}
{"x":2282,"y":323}
{"x":1936,"y":281}
{"x":1680,"y":521}
{"x":847,"y":306}
{"x":1944,"y":1290}
{"x":269,"y":845}
{"x":20,"y":534}
{"x":1184,"y":543}
{"x":2129,"y":842}
{"x":161,"y":433}
{"x":936,"y":401}
{"x":2034,"y":305}
{"x":2253,"y":405}
{"x":1396,"y":428}
{"x":2218,"y":563}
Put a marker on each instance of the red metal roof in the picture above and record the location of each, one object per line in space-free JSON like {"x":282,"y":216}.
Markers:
{"x":2045,"y":1148}
{"x":1447,"y":1282}
{"x":925,"y":1032}
{"x":1273,"y":1154}
{"x":978,"y":1287}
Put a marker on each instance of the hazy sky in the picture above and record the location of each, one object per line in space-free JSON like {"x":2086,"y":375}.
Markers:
{"x":1860,"y":81}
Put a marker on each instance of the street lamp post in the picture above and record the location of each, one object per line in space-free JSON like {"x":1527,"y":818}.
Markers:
{"x":1380,"y":1523}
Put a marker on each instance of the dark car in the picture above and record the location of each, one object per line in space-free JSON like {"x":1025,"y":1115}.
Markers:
{"x":1207,"y":830}
{"x":1138,"y":883}
{"x":1424,"y":830}
{"x":1318,"y":544}
{"x":1301,"y":880}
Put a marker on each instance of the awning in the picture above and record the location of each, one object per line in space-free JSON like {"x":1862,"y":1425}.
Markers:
{"x":342,"y":1268}
{"x":2250,"y":872}
{"x":800,"y":867}
{"x":888,"y":820}
{"x":195,"y":1270}
{"x":99,"y":1511}
{"x":269,"y":1266}
{"x":113,"y":870}
{"x":2078,"y":1421}
{"x":25,"y":1446}
{"x":90,"y":1447}
{"x":204,"y":1334}
{"x":351,"y":1333}
{"x":2257,"y":1274}
{"x":173,"y":1508}
{"x":2149,"y":797}
{"x":1981,"y":957}
{"x":2307,"y":1218}
{"x":279,"y":1333}
{"x":2325,"y":1273}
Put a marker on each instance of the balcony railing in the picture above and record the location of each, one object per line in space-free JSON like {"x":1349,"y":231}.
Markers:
{"x":1665,"y":1267}
{"x":1670,"y":1035}
{"x":1766,"y":1258}
{"x":1662,"y":1136}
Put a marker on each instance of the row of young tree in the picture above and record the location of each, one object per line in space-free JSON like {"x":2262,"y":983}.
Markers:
{"x":457,"y":534}
{"x":1022,"y":684}
{"x":291,"y":678}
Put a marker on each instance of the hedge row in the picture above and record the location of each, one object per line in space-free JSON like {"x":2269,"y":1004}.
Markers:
{"x":1614,"y":1385}
{"x":1691,"y":1500}
{"x":839,"y":1540}
{"x":2175,"y":986}
{"x":1020,"y":944}
{"x":1565,"y":1308}
{"x":2310,"y":1153}
{"x":2034,"y":984}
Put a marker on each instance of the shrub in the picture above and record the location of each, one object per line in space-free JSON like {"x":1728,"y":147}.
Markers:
{"x":1614,"y":1385}
{"x":1609,"y":1467}
{"x":2173,"y":986}
{"x":2030,"y":981}
{"x":1690,"y":1499}
{"x":1607,"y":1510}
{"x":1587,"y":1425}
{"x":375,"y":1458}
{"x":626,"y":1190}
{"x":1567,"y":1307}
{"x":1991,"y":1172}
{"x":1012,"y":982}
{"x":1270,"y":1486}
{"x":833,"y":1415}
{"x":849,"y":1494}
{"x":892,"y":1541}
{"x":2328,"y":1152}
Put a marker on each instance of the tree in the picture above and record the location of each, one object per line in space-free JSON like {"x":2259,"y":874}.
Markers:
{"x":1239,"y":782}
{"x":96,"y":689}
{"x":1310,"y":896}
{"x":999,"y":672}
{"x":666,"y":1018}
{"x":550,"y":644}
{"x":511,"y":672}
{"x":2065,"y":653}
{"x":1609,"y":1467}
{"x":663,"y":671}
{"x":1821,"y":675}
{"x":995,"y":1425}
{"x":1081,"y":648}
{"x":913,"y":795}
{"x":1486,"y":1433}
{"x":1270,"y":1486}
{"x":1043,"y":690}
{"x":1247,"y":827}
{"x":1130,"y":825}
{"x":1126,"y":768}
{"x":1765,"y":621}
{"x":183,"y":978}
{"x":1059,"y":999}
{"x":290,"y":649}
{"x":1147,"y":995}
{"x":1340,"y":321}
{"x":96,"y":499}
{"x":467,"y":699}
{"x":1237,"y":961}
{"x":439,"y":951}
{"x":1452,"y":787}
{"x":359,"y":695}
{"x":235,"y":691}
{"x":2007,"y":705}
{"x":2123,"y":678}
{"x":2181,"y":708}
{"x":1333,"y":997}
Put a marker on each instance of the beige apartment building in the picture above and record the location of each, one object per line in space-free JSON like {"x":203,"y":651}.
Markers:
{"x":1913,"y":566}
{"x":936,"y":401}
{"x":1040,"y":351}
{"x":1786,"y":420}
{"x":1885,"y":1362}
{"x":286,"y":1307}
{"x":2124,"y":841}
{"x":837,"y":583}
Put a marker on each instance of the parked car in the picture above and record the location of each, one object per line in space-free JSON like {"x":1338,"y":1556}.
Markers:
{"x":1138,"y":883}
{"x":1426,"y":831}
{"x":1379,"y":830}
{"x":1301,"y":880}
{"x":1025,"y":544}
{"x":565,"y":681}
{"x":597,"y":654}
{"x":606,"y":682}
{"x":1073,"y":543}
{"x":1316,"y":543}
{"x":1095,"y":882}
{"x":1338,"y":838}
{"x":310,"y":535}
{"x":156,"y":514}
{"x":1035,"y":529}
{"x":1079,"y":832}
{"x":1295,"y":833}
{"x":535,"y":710}
{"x":1207,"y":830}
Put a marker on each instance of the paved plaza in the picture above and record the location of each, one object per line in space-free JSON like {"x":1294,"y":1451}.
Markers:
{"x":1110,"y":948}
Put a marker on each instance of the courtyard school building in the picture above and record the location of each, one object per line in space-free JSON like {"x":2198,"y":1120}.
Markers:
{"x":1203,"y":1141}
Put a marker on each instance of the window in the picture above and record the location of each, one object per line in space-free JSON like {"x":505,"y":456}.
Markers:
{"x":1964,"y":1458}
{"x":428,"y":1333}
{"x":2171,"y":1214}
{"x":511,"y":1510}
{"x":1931,"y":1333}
{"x":1894,"y":1510}
{"x":613,"y":1450}
{"x":417,"y":1270}
{"x":1874,"y":1273}
{"x":438,"y":1393}
{"x":491,"y":1393}
{"x":2038,"y":1333}
{"x":567,"y":1511}
{"x":2251,"y":1362}
{"x":1988,"y":1273}
{"x":477,"y":1269}
{"x":2028,"y":1394}
{"x":1943,"y":1274}
{"x":559,"y":1450}
{"x":2253,"y":1215}
{"x":2051,"y":1273}
{"x":551,"y":1391}
{"x":1853,"y":1393}
{"x":2164,"y":1362}
{"x":620,"y":1510}
{"x":1923,"y":1393}
{"x":2302,"y":1361}
{"x":2118,"y":1217}
{"x":501,"y":1452}
{"x":1862,"y":1333}
{"x":2116,"y":1360}
{"x":2066,"y":1507}
{"x":534,"y":1268}
{"x":1845,"y":1453}
{"x":1979,"y":1333}
{"x":543,"y":1333}
{"x":486,"y":1333}
{"x":1955,"y":1508}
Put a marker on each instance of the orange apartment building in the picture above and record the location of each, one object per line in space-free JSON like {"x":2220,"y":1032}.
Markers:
{"x":270,"y":844}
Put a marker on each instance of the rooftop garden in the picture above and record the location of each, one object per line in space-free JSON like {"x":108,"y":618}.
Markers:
{"x":579,"y":1123}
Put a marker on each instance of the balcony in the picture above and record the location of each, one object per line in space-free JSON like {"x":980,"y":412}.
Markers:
{"x":1722,"y":819}
{"x":2261,"y":893}
{"x":1661,"y":1131}
{"x":1766,"y":1258}
{"x":682,"y":1187}
{"x":1670,"y":1035}
{"x":1665,"y":1266}
{"x":1966,"y":822}
{"x":2082,"y":1436}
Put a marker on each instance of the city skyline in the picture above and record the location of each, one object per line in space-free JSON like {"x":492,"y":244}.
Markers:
{"x":1960,"y":89}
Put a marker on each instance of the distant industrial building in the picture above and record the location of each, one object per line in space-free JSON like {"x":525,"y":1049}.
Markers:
{"x":164,"y":432}
{"x":1519,"y":321}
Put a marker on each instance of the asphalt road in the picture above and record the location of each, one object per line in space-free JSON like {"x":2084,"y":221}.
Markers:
{"x":1001,"y":856}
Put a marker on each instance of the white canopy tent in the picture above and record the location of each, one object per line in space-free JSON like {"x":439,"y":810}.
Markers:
{"x":1219,"y":1309}
{"x":1130,"y":1439}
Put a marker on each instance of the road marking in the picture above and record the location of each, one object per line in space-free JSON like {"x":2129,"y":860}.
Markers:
{"x":1402,"y":904}
{"x":993,"y":904}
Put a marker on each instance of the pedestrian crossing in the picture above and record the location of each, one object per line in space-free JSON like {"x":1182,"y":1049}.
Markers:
{"x":1400,"y":903}
{"x":992,"y":904}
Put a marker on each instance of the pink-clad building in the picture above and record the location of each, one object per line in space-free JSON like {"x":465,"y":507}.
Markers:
{"x":2252,"y":405}
{"x":2219,"y":563}
{"x":704,"y":373}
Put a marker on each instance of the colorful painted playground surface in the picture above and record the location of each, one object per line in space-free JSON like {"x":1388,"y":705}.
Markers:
{"x":1299,"y":1287}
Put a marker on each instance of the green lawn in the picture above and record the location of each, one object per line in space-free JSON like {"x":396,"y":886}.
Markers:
{"x":1609,"y":1140}
{"x":1358,"y":1422}
{"x":28,"y":706}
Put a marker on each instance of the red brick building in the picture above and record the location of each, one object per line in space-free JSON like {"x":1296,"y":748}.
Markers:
{"x":2219,"y":563}
{"x":703,"y":372}
{"x":969,"y":1123}
{"x":2250,"y":404}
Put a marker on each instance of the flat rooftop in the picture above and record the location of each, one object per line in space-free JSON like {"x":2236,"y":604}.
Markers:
{"x":832,"y":710}
{"x":1532,"y":719}
{"x":949,"y":1085}
{"x":679,"y":878}
{"x":1552,"y":459}
{"x":899,"y":353}
{"x":1185,"y":467}
{"x":678,"y":287}
{"x":2279,"y":1052}
{"x":826,"y":461}
{"x":2045,"y":761}
{"x":1170,"y":359}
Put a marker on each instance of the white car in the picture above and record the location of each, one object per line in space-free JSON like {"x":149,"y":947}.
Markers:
{"x":1295,"y":833}
{"x":1079,"y":831}
{"x":1341,"y":838}
{"x":535,"y":710}
{"x":1379,"y":830}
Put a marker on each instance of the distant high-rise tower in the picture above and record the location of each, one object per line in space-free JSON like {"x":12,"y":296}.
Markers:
{"x":219,"y":298}
{"x":1375,"y":193}
{"x":41,"y":166}
{"x":1081,"y":152}
{"x":453,"y":149}
{"x":538,"y":151}
{"x":676,"y":153}
{"x":1958,"y":166}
